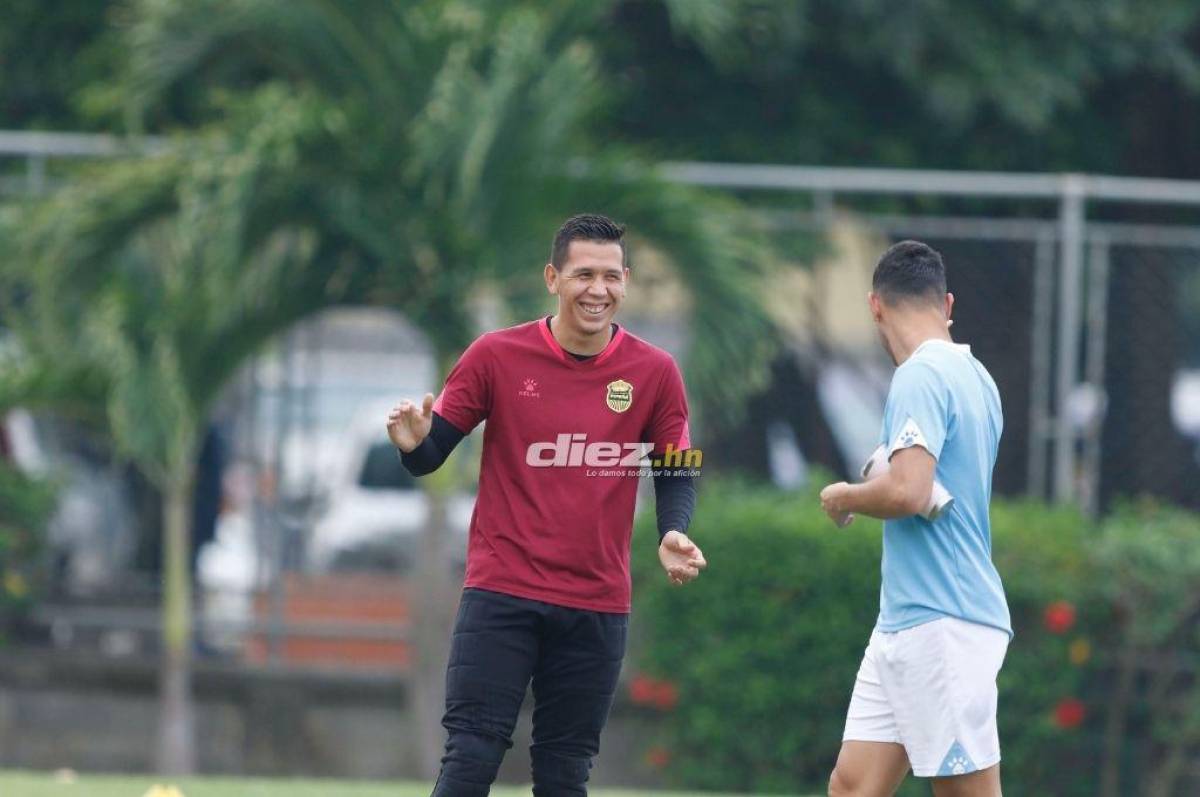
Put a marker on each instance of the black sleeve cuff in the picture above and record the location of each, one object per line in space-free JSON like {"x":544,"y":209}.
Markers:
{"x":425,"y":458}
{"x":674,"y":499}
{"x":434,"y":449}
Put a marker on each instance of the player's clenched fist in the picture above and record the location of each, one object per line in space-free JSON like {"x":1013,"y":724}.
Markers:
{"x":832,"y":502}
{"x":408,"y":424}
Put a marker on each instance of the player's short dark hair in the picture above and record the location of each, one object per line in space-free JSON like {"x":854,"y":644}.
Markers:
{"x":910,"y":270}
{"x":587,"y":227}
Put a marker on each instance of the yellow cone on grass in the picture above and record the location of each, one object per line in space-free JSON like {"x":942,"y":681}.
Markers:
{"x":158,"y":790}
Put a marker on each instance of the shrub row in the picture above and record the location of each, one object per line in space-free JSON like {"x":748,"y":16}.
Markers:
{"x":760,"y":655}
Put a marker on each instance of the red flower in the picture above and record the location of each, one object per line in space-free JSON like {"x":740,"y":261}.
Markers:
{"x":1069,"y":713}
{"x":647,"y":691}
{"x":658,"y":757}
{"x":666,"y":695}
{"x":1059,"y":617}
{"x":642,"y":690}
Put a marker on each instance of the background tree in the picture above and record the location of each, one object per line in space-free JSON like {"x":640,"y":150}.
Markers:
{"x":403,"y":155}
{"x":1069,"y":86}
{"x":138,"y":295}
{"x":1010,"y":85}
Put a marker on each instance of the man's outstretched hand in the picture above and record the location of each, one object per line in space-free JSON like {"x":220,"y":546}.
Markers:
{"x":408,"y":424}
{"x":680,"y":557}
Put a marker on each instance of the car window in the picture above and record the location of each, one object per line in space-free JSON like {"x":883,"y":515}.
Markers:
{"x":382,"y":470}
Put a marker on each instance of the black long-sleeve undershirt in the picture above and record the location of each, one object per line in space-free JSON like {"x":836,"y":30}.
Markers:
{"x":674,"y":499}
{"x":434,"y":449}
{"x":674,"y":488}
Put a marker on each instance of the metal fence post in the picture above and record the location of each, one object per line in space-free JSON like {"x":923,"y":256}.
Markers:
{"x":1071,"y":240}
{"x":1097,"y":330}
{"x":1042,"y":341}
{"x":277,"y":638}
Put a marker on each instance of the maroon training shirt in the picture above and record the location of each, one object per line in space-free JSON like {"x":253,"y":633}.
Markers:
{"x":558,"y":480}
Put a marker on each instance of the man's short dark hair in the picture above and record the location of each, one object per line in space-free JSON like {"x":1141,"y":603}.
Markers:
{"x":587,"y":227}
{"x":910,"y":270}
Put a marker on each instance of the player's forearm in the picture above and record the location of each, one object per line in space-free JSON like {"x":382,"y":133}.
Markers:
{"x":424,"y":459}
{"x":886,"y":497}
{"x":431,"y":452}
{"x":674,"y":501}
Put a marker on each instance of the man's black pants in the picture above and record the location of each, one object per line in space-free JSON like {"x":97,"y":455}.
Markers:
{"x":501,"y":643}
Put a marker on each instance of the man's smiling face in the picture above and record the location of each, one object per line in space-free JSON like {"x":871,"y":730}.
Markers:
{"x":590,"y":286}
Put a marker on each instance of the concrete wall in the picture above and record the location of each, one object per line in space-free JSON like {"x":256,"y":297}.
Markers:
{"x":60,"y":710}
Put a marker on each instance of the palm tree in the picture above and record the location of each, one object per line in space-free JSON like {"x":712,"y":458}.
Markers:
{"x":138,"y":294}
{"x":456,"y":133}
{"x":393,"y":153}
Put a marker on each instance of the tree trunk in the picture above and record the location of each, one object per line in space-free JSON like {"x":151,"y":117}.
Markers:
{"x":435,"y":587}
{"x":433,"y":601}
{"x":176,"y":732}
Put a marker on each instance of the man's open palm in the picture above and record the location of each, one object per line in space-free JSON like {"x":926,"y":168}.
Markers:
{"x":409,"y":424}
{"x":680,"y":557}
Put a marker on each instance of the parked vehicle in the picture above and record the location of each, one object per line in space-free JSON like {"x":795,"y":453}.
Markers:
{"x":375,"y":510}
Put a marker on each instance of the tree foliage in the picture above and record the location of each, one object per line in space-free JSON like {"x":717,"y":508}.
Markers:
{"x":1074,"y":85}
{"x":135,"y":294}
{"x":452,"y":154}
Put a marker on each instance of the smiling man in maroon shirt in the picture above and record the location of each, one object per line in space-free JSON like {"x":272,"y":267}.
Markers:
{"x":574,"y":405}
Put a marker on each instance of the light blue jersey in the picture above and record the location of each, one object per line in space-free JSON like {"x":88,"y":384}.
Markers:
{"x":944,"y":400}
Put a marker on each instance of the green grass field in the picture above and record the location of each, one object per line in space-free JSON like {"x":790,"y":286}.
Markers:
{"x":41,"y":784}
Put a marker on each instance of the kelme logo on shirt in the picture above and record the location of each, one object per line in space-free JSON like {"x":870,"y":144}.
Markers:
{"x":620,"y":395}
{"x":529,"y":389}
{"x":910,"y":435}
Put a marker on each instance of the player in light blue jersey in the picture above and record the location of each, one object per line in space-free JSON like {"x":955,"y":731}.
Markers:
{"x":925,"y":695}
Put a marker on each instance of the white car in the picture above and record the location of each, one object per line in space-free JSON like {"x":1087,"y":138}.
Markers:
{"x":92,"y":534}
{"x":375,"y":511}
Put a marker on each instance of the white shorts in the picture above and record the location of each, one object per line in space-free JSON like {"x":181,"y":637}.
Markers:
{"x":932,"y":689}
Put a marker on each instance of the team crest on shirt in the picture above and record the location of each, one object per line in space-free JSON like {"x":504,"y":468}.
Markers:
{"x":620,"y":395}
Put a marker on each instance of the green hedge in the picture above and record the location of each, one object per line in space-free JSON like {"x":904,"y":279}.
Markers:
{"x":1146,"y":583}
{"x":25,"y":506}
{"x":759,"y":656}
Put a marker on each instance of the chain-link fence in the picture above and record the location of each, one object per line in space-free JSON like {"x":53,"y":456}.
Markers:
{"x":1143,"y":357}
{"x":1090,"y":328}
